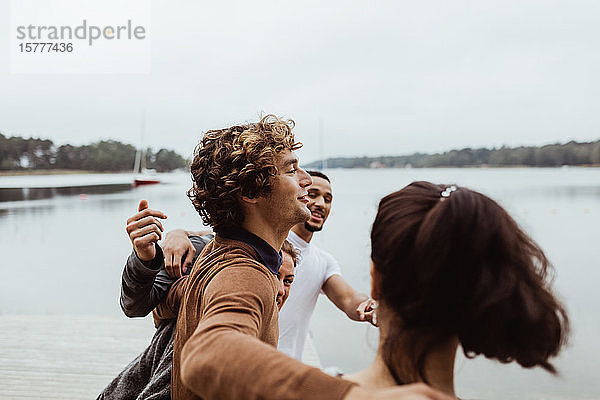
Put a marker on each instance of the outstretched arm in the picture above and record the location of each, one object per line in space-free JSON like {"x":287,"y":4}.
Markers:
{"x":357,"y":306}
{"x":224,"y":358}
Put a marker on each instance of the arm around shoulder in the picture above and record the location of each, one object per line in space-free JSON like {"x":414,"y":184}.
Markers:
{"x":143,"y":285}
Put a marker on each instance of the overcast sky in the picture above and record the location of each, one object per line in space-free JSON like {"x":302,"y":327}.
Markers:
{"x":384,"y":77}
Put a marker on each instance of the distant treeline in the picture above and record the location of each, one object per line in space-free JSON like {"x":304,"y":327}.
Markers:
{"x":553,"y":155}
{"x":17,"y":153}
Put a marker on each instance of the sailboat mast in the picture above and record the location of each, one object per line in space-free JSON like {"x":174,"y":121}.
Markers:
{"x":139,"y":164}
{"x":136,"y":163}
{"x":142,"y":134}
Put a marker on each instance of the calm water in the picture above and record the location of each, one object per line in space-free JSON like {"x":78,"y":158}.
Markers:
{"x":64,"y":255}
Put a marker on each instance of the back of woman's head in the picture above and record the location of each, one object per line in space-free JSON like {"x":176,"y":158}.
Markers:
{"x":457,"y":265}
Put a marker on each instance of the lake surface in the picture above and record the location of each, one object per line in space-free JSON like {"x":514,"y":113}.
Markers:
{"x":63,"y":253}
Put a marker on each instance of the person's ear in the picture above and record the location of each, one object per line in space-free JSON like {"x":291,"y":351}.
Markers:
{"x":249,"y":200}
{"x":374,"y":282}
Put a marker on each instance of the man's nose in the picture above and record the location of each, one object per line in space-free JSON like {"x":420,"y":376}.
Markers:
{"x":320,"y":201}
{"x":305,"y":178}
{"x":281,"y":290}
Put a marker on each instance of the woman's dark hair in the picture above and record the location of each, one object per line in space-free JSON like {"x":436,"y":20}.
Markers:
{"x":459,"y":266}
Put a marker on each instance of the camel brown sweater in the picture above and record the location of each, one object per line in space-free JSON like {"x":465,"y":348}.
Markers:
{"x":226,"y":335}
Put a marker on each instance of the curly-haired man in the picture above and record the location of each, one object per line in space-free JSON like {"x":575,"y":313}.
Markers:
{"x":249,"y":188}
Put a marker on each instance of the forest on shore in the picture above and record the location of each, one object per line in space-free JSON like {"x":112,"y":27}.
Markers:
{"x":20,"y":154}
{"x":552,"y":155}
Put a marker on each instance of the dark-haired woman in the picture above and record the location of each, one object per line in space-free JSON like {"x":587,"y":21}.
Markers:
{"x":450,"y":267}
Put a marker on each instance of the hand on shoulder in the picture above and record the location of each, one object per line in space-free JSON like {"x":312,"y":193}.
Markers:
{"x":415,"y":391}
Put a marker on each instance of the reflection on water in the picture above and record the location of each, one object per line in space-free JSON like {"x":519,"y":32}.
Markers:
{"x":573,"y":191}
{"x":21,"y":194}
{"x":39,"y":209}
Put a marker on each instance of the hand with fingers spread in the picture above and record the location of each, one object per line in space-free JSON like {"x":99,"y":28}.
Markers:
{"x":176,"y":246}
{"x":367,"y":311}
{"x":144,"y":230}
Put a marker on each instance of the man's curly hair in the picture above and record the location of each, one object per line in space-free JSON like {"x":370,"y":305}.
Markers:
{"x":237,"y":161}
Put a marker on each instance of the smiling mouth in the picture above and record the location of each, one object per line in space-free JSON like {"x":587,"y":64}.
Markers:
{"x":316,"y":215}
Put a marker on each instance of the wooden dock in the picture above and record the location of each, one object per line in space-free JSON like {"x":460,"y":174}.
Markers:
{"x":72,"y":357}
{"x":66,"y":357}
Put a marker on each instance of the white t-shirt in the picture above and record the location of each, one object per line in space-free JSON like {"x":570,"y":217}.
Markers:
{"x":313,"y":270}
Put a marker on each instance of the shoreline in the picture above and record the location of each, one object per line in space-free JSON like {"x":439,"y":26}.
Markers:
{"x":38,"y":172}
{"x":35,"y":172}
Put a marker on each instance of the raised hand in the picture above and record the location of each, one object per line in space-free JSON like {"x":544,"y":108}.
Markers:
{"x":144,"y":230}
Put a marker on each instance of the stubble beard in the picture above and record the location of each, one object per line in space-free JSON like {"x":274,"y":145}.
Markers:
{"x":302,"y":216}
{"x":312,"y":228}
{"x":296,"y":216}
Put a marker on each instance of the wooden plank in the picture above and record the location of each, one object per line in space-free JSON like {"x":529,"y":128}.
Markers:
{"x":73,"y":357}
{"x":66,"y":357}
